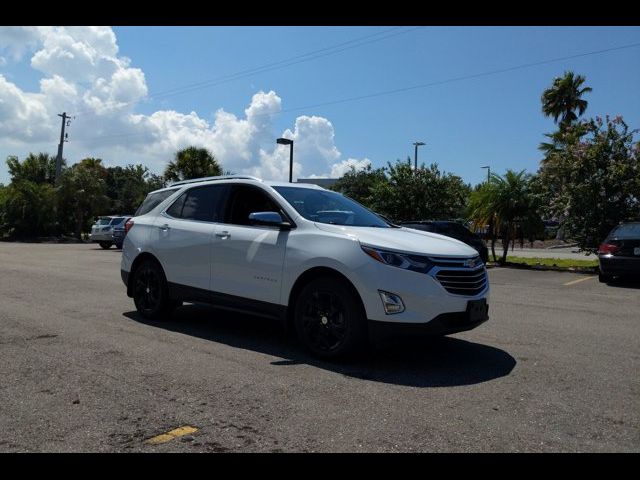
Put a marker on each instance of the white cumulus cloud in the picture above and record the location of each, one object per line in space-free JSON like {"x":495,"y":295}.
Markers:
{"x":83,"y":73}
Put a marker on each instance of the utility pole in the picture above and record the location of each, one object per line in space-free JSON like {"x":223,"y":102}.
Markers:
{"x":417,"y":144}
{"x":66,"y":121}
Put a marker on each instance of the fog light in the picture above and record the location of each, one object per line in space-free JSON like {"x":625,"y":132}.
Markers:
{"x":392,"y":303}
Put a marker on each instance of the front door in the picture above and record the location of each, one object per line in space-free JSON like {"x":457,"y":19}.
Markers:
{"x":247,"y":259}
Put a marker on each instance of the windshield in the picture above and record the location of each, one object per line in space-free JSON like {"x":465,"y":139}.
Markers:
{"x":324,"y":206}
{"x":104,"y":221}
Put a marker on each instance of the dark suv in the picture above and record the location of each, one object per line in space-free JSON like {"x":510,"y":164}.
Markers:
{"x":453,"y":230}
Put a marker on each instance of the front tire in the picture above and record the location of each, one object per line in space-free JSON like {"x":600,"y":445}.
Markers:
{"x":151,"y":293}
{"x":329,"y":319}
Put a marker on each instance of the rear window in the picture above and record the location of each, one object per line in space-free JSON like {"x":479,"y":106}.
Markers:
{"x":117,"y":220}
{"x":153,"y":200}
{"x":631,"y":230}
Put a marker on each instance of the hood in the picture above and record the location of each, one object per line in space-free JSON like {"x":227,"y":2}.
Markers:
{"x":404,"y":240}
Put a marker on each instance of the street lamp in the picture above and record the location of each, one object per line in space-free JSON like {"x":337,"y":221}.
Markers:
{"x":488,"y":172}
{"x":286,"y":141}
{"x":417,"y":144}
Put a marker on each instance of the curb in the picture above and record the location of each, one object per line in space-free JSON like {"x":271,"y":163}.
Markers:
{"x":524,"y":266}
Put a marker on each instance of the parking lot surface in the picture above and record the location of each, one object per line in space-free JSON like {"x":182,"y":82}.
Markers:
{"x":554,"y":369}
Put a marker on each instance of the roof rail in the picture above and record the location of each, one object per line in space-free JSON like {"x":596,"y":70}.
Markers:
{"x":219,"y":177}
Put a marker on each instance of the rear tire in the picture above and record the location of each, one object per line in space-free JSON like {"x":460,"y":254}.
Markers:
{"x":603,"y":278}
{"x":151,"y":293}
{"x":105,"y":245}
{"x":329,"y":319}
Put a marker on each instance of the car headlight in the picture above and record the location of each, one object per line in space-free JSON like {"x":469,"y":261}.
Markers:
{"x":416,"y":263}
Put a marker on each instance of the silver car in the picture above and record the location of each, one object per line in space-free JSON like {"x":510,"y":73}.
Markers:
{"x":102,"y":230}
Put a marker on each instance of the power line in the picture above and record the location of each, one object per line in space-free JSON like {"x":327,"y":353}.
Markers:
{"x":457,"y":79}
{"x":306,"y":57}
{"x":419,"y":86}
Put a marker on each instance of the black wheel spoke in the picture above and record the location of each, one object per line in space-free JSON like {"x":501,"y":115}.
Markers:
{"x":323,"y":320}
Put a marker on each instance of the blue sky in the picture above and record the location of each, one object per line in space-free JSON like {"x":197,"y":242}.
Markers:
{"x":494,"y":120}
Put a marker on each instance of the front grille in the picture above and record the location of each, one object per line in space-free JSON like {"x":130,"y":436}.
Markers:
{"x":458,"y":279}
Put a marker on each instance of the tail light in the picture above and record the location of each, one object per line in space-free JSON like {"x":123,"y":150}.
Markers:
{"x":128,"y":225}
{"x":608,"y":248}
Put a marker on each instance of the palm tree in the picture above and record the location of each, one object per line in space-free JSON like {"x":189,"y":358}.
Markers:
{"x":192,"y":162}
{"x":505,"y":201}
{"x":563,"y":99}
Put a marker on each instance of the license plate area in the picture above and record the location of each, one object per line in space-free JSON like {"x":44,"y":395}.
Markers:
{"x":477,"y":310}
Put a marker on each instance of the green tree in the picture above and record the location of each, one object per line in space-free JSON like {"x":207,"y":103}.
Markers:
{"x":359,"y":184}
{"x":192,"y":162}
{"x":127,"y":186}
{"x":594,"y":182}
{"x":82,"y":195}
{"x":564,"y":98}
{"x":37,"y":168}
{"x":505,"y":202}
{"x":418,"y":195}
{"x":28,"y":209}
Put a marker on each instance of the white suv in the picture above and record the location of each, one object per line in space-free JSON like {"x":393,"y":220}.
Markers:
{"x":310,"y":257}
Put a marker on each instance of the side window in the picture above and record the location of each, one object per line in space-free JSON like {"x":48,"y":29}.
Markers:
{"x":245,"y":200}
{"x":153,"y":200}
{"x":175,"y":210}
{"x":199,"y":203}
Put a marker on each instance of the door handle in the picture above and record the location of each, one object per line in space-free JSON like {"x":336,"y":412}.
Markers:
{"x":223,"y":234}
{"x":164,"y":227}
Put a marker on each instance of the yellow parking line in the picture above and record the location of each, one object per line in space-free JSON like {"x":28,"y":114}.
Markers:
{"x":578,"y":281}
{"x":165,"y":437}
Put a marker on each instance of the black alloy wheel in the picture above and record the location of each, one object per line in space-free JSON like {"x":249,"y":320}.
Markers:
{"x":329,"y":319}
{"x":150,"y":293}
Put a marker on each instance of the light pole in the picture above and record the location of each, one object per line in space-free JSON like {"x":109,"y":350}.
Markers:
{"x":488,"y":172}
{"x":286,"y":141}
{"x":417,"y":144}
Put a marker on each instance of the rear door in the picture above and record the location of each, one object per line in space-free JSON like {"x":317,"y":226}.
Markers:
{"x":183,"y":233}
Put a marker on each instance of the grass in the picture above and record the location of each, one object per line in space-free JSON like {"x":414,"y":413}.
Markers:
{"x":554,"y":262}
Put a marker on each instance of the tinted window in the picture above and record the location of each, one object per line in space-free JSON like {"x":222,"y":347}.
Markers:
{"x":153,"y":200}
{"x":104,"y":221}
{"x":175,"y":210}
{"x":245,"y":200}
{"x":324,"y":206}
{"x":631,"y":230}
{"x":117,"y":220}
{"x":200,"y":203}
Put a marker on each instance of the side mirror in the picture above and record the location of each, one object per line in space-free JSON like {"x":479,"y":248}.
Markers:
{"x":269,"y":219}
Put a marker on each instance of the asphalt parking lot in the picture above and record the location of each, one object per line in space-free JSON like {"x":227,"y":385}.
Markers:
{"x":554,"y":369}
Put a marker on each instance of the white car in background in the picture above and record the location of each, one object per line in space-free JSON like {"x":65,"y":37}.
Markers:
{"x":318,"y":261}
{"x":102,"y":230}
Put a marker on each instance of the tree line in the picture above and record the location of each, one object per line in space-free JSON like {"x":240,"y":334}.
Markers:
{"x":588,"y":179}
{"x":34,"y":204}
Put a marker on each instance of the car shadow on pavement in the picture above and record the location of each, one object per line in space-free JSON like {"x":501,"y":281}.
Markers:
{"x":417,"y":362}
{"x":632,"y":283}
